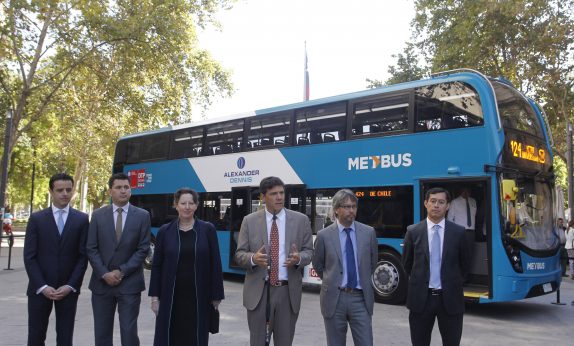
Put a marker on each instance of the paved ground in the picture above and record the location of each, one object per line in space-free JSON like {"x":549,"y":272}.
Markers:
{"x":529,"y":322}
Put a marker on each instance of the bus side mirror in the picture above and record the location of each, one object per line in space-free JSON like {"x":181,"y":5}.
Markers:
{"x":509,"y":189}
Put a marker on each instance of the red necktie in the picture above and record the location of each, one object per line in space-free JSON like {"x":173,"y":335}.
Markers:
{"x":274,"y":252}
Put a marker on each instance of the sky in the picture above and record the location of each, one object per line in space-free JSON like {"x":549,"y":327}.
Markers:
{"x":262,"y":44}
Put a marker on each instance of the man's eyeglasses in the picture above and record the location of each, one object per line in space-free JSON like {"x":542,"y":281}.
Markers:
{"x":348,"y":206}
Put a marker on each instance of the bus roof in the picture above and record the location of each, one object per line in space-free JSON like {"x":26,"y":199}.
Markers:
{"x":447,"y":75}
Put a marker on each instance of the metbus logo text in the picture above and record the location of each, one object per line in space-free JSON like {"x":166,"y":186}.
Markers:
{"x":380,"y":161}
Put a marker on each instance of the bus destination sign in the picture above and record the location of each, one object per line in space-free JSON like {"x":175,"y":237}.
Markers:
{"x":527,"y":152}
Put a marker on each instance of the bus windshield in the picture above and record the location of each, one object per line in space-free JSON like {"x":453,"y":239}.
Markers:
{"x":528,"y":218}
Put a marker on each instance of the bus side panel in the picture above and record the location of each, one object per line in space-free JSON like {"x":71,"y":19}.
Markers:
{"x":162,"y":177}
{"x":224,"y":239}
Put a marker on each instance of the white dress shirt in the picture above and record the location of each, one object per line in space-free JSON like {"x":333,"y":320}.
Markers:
{"x":430,"y":233}
{"x":457,"y":212}
{"x":281,"y":227}
{"x":124,"y":214}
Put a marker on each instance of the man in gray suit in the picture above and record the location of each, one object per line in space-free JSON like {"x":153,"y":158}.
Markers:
{"x":287,"y":236}
{"x":118,"y":242}
{"x":345,"y":258}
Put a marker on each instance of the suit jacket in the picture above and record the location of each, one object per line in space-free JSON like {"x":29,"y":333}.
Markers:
{"x":328,"y":263}
{"x":53,"y":259}
{"x":454,"y":266}
{"x":253,"y":235}
{"x":106,"y":254}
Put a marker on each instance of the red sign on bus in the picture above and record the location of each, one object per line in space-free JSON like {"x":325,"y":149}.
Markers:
{"x":137,"y":178}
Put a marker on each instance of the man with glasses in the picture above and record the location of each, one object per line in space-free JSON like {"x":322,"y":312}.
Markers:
{"x":435,"y":258}
{"x":345,"y":257}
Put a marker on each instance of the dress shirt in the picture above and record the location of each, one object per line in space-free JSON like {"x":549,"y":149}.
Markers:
{"x":124,"y":214}
{"x":343,"y":243}
{"x":430,"y":233}
{"x":56,"y":214}
{"x":457,"y":212}
{"x":281,"y":227}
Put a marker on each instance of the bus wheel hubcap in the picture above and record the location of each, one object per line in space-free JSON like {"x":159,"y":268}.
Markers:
{"x":386,"y":278}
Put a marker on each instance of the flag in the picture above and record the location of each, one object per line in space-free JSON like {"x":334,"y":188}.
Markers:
{"x":306,"y":78}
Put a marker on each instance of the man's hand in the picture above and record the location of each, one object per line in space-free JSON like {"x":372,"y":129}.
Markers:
{"x":112,"y":278}
{"x":155,"y":305}
{"x":49,"y":292}
{"x":62,"y":292}
{"x":293,"y":258}
{"x":260,"y":257}
{"x":216,"y":303}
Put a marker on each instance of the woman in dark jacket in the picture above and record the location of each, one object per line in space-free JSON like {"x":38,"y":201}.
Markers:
{"x":186,"y":276}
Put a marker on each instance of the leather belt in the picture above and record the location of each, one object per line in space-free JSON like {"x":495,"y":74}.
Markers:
{"x":435,"y":292}
{"x":350,"y":290}
{"x":280,"y":283}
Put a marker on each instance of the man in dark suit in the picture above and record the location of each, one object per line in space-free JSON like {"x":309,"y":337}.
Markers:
{"x":345,"y":257}
{"x":435,"y":258}
{"x":118,"y":242}
{"x":287,"y":235}
{"x":55,"y":261}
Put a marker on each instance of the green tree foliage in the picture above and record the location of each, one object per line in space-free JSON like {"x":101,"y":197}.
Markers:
{"x":79,"y":74}
{"x":408,"y":68}
{"x":528,"y":42}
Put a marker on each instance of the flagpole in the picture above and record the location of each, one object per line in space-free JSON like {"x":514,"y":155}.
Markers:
{"x":306,"y":78}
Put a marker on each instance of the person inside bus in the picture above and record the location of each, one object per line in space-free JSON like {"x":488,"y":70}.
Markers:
{"x":435,"y":258}
{"x":347,"y":296}
{"x":186,"y":282}
{"x":276,"y":229}
{"x":462,"y":209}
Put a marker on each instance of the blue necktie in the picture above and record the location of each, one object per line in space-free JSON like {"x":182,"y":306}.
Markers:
{"x":435,"y":258}
{"x":350,"y":254}
{"x":60,"y":221}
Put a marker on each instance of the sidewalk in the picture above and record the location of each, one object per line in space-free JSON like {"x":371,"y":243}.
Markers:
{"x":13,"y":308}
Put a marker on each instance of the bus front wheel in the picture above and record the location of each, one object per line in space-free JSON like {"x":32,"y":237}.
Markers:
{"x":389,"y":279}
{"x":149,"y":258}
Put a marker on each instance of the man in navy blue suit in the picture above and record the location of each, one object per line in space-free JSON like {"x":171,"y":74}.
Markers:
{"x":55,"y":260}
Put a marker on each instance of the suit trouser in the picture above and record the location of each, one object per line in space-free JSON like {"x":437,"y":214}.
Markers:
{"x":39,"y":310}
{"x":422,"y":323}
{"x":104,"y":308}
{"x":350,"y":308}
{"x":283,"y":319}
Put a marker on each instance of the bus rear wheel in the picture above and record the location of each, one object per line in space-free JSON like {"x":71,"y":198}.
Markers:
{"x":149,"y":258}
{"x":389,"y":279}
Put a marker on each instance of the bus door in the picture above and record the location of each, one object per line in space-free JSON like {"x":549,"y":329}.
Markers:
{"x":295,"y":198}
{"x":475,"y":217}
{"x":244,"y":200}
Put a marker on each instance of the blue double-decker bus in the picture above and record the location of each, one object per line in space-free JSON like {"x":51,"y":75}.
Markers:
{"x":458,"y":129}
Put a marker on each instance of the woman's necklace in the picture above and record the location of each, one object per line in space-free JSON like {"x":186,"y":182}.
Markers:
{"x":186,"y":227}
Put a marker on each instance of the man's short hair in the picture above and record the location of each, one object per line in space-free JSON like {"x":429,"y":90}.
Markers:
{"x":117,"y":176}
{"x":60,"y":176}
{"x":436,"y":190}
{"x":268,"y":183}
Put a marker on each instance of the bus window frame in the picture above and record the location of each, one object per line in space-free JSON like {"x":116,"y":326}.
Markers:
{"x":268,"y":118}
{"x":351,"y":115}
